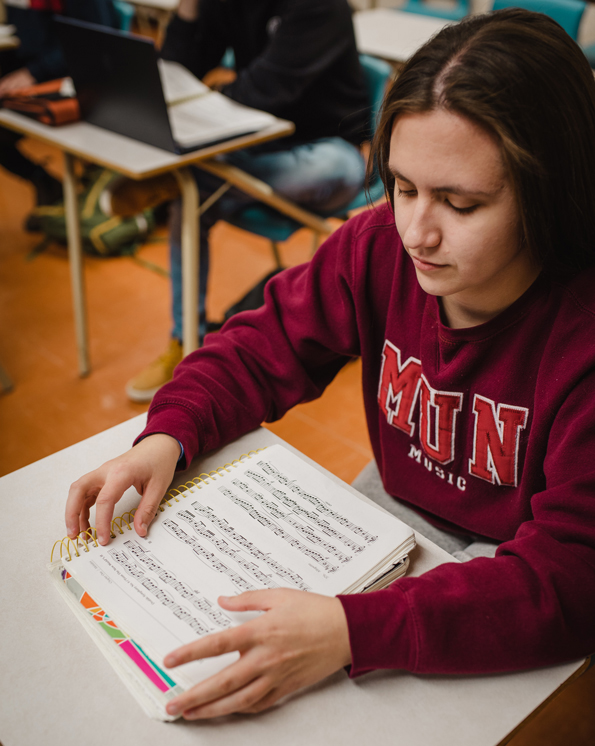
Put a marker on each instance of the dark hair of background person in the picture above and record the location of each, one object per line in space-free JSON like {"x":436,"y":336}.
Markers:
{"x":520,"y":77}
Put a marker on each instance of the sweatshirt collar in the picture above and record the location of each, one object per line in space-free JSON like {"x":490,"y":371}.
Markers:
{"x":509,"y":317}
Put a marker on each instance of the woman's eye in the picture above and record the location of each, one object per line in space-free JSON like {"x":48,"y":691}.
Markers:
{"x":406,"y":192}
{"x":463,"y":210}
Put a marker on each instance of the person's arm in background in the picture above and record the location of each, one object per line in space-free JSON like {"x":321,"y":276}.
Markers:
{"x":15,"y":80}
{"x":40,"y":48}
{"x":309,"y":37}
{"x":196,"y":36}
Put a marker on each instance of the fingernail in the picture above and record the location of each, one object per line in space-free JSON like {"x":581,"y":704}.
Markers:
{"x":169,"y":661}
{"x":143,"y":527}
{"x":173,"y":708}
{"x":102,"y":539}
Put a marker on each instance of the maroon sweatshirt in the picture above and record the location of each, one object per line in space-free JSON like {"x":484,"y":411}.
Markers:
{"x":489,"y":431}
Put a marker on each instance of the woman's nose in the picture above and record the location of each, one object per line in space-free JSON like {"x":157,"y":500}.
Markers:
{"x":422,"y":230}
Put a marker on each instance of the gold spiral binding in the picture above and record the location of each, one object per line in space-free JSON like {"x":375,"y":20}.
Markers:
{"x":204,"y":478}
{"x":128,"y":517}
{"x":119,"y":520}
{"x":64,"y":543}
{"x":92,"y":534}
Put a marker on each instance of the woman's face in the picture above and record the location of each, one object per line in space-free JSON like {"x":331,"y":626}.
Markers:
{"x":457,"y":216}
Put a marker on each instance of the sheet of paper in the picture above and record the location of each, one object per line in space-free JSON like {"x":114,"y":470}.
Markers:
{"x":273,"y":521}
{"x":179,"y":83}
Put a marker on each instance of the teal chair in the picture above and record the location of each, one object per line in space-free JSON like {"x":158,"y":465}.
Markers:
{"x":456,"y":12}
{"x":124,"y":14}
{"x":568,"y":13}
{"x":267,"y":222}
{"x":589,"y":51}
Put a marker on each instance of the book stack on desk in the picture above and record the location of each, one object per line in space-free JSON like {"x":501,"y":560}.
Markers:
{"x":267,"y":520}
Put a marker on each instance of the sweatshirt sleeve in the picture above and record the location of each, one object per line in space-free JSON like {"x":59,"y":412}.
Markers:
{"x":266,"y":361}
{"x":532,"y":605}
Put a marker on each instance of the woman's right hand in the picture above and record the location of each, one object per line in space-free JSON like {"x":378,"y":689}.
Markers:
{"x":148,"y":467}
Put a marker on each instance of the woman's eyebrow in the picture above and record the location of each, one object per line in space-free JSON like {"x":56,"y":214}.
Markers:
{"x":398,"y":175}
{"x":450,"y":189}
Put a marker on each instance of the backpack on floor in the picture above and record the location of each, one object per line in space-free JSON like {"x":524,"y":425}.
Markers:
{"x":101,"y":235}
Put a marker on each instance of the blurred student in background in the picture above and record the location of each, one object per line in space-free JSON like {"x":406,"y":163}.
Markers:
{"x":296,"y":59}
{"x":37,"y":59}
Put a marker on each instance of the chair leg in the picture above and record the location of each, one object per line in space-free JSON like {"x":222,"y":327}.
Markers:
{"x":276,"y":254}
{"x":213,"y":198}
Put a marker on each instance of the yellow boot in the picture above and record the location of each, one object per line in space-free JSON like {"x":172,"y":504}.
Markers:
{"x":144,"y":386}
{"x":127,"y":197}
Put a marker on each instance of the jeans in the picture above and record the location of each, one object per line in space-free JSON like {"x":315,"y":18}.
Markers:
{"x":323,"y":176}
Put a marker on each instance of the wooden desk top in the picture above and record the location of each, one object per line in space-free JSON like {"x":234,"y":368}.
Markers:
{"x":132,"y":158}
{"x":57,"y":688}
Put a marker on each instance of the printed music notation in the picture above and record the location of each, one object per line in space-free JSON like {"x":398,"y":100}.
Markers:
{"x":261,"y":525}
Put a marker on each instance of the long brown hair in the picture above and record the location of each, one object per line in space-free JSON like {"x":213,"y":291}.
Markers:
{"x":518,"y":75}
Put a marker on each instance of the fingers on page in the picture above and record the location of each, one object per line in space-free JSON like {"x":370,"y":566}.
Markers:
{"x":81,"y":496}
{"x":116,"y":483}
{"x":261,"y":600}
{"x":237,"y":687}
{"x":237,"y":638}
{"x":147,"y":509}
{"x":247,"y":699}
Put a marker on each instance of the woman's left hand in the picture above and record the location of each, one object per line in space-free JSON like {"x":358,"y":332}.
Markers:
{"x":299,"y":640}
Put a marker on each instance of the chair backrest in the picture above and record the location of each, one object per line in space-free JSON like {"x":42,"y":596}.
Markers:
{"x":124,"y":13}
{"x":455,"y":12}
{"x":377,"y":74}
{"x":567,"y":13}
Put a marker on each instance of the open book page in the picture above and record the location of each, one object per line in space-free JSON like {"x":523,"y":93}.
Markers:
{"x":178,"y":83}
{"x":214,"y":117}
{"x":272,"y":521}
{"x":199,"y":115}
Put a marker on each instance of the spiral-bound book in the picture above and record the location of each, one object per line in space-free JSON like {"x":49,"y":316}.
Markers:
{"x":267,"y":520}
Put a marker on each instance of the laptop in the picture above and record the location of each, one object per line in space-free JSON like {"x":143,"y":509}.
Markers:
{"x":119,"y":81}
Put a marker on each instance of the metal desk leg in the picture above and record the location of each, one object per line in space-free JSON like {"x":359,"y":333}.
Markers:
{"x":190,"y":252}
{"x":75,"y":256}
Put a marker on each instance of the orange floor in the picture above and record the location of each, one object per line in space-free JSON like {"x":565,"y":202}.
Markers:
{"x":50,"y":407}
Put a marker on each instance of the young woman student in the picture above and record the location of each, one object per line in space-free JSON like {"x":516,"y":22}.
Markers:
{"x":470,"y":299}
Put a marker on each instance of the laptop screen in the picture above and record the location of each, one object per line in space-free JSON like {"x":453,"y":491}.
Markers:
{"x":117,"y":81}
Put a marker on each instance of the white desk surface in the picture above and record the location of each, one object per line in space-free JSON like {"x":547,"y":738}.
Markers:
{"x":169,"y":5}
{"x":129,"y":157}
{"x":9,"y":42}
{"x":56,"y":687}
{"x":392,"y":34}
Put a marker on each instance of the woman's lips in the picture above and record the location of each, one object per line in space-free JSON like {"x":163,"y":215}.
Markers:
{"x":426,"y":266}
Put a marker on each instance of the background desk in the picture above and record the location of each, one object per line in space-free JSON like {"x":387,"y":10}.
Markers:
{"x":7,"y":38}
{"x":56,"y":687}
{"x":140,"y":161}
{"x":392,"y":34}
{"x":161,"y":10}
